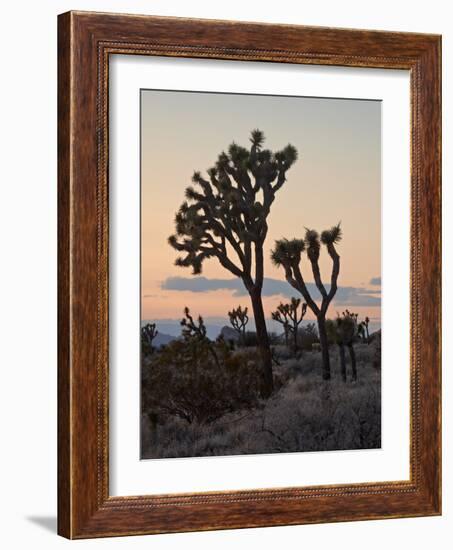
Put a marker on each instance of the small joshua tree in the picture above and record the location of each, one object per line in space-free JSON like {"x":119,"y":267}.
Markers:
{"x":148,"y":332}
{"x":281,"y":315}
{"x":225,"y":217}
{"x":239,"y":319}
{"x":190,"y":328}
{"x":363,"y":331}
{"x":197,"y":331}
{"x":288,"y":315}
{"x":288,"y":254}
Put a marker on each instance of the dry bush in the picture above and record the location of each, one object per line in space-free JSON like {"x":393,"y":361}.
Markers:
{"x":197,"y":380}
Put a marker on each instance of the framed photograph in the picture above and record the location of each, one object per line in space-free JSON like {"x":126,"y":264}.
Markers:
{"x":249,"y":275}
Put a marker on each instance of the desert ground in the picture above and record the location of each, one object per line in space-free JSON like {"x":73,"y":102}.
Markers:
{"x":304,"y":413}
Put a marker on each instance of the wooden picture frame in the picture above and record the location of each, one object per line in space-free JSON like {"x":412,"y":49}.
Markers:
{"x":85,"y":42}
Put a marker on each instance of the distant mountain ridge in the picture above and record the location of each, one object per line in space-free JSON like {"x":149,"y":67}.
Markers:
{"x":169,"y":329}
{"x":229,"y":334}
{"x":172,"y":328}
{"x":162,"y":339}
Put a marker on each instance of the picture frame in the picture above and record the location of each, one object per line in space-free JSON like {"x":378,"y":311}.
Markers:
{"x":85,"y":42}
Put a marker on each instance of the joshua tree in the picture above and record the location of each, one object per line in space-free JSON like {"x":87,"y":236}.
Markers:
{"x":281,"y":315}
{"x":225,"y":217}
{"x":288,"y":253}
{"x":288,"y":316}
{"x":190,"y":328}
{"x":149,"y":332}
{"x":197,"y":331}
{"x":343,"y":331}
{"x":239,"y":319}
{"x":363,"y":331}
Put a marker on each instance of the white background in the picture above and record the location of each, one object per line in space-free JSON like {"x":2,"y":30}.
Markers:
{"x":28,"y":275}
{"x":129,"y":476}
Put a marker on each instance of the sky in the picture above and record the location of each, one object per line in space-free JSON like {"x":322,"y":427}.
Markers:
{"x":337,"y":177}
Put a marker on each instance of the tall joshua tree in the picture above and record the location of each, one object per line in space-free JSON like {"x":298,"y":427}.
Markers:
{"x":288,"y":315}
{"x":239,"y":319}
{"x":225,"y":217}
{"x":288,"y":254}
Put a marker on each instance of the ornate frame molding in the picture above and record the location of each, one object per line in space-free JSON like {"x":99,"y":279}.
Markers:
{"x":86,"y":40}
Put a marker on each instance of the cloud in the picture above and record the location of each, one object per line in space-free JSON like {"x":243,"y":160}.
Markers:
{"x":376,"y":281}
{"x":203,"y":284}
{"x":352,"y":296}
{"x":346,"y":295}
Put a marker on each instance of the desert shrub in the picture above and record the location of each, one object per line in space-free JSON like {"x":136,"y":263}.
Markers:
{"x":282,"y":352}
{"x":199,"y":380}
{"x":303,"y":414}
{"x":307,"y":336}
{"x":250,"y":339}
{"x":288,"y":371}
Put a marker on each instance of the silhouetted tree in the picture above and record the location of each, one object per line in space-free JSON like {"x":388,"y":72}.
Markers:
{"x":148,"y":332}
{"x":288,"y":315}
{"x":225,"y":218}
{"x":239,"y":319}
{"x":197,"y":331}
{"x":281,"y":315}
{"x":288,"y":253}
{"x":343,"y":331}
{"x":362,"y":329}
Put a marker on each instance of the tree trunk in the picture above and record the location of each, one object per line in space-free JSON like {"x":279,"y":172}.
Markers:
{"x":342,"y":362}
{"x":324,"y":347}
{"x":353,"y":362}
{"x":295,"y":340}
{"x":263,"y":343}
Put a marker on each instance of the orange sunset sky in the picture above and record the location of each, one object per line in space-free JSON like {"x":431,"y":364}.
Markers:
{"x":337,"y":177}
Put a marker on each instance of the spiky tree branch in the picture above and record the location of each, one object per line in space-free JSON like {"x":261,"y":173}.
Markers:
{"x":197,"y":330}
{"x":148,"y":333}
{"x":239,"y":319}
{"x":190,"y":328}
{"x":288,"y":315}
{"x":281,"y":315}
{"x":295,"y":318}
